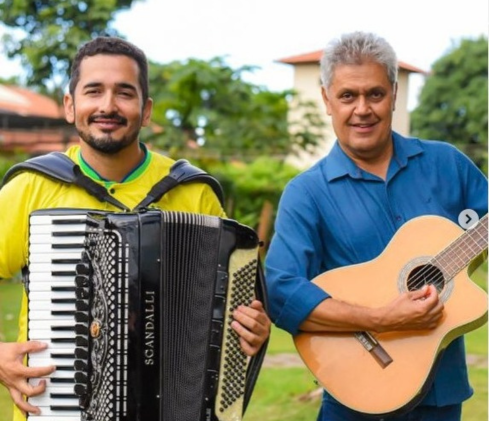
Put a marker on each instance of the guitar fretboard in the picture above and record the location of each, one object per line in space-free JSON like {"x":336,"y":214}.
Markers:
{"x":463,"y":250}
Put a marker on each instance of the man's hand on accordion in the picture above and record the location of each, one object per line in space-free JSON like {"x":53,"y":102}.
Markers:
{"x":14,"y":374}
{"x":252,"y":324}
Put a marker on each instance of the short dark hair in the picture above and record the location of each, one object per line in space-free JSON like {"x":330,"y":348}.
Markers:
{"x":113,"y":46}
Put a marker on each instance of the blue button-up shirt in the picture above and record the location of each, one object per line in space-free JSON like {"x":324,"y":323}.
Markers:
{"x":335,"y":214}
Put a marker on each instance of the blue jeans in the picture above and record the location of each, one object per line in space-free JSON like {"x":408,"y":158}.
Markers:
{"x":333,"y":411}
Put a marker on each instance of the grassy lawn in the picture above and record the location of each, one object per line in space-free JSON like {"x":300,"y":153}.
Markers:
{"x":286,"y":393}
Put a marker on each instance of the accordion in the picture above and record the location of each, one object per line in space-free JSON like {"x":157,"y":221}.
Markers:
{"x":136,"y":310}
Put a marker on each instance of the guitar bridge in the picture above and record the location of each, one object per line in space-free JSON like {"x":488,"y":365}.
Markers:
{"x":374,"y":348}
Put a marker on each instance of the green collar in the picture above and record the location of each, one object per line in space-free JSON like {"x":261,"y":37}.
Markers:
{"x":132,"y":175}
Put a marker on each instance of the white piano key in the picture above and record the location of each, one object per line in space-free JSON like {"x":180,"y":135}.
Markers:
{"x":47,"y":286}
{"x":49,"y":239}
{"x":42,"y":324}
{"x":64,"y":365}
{"x":51,"y":295}
{"x":48,"y":305}
{"x":50,"y":219}
{"x":50,"y":267}
{"x":48,"y":315}
{"x":48,"y":248}
{"x":46,"y":401}
{"x":53,"y":349}
{"x":43,"y":417}
{"x":50,"y":228}
{"x":48,"y":277}
{"x":48,"y":334}
{"x":49,"y":413}
{"x":49,"y":257}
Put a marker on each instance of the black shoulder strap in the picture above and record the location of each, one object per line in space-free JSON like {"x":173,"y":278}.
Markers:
{"x":55,"y":165}
{"x":181,"y":172}
{"x":60,"y":167}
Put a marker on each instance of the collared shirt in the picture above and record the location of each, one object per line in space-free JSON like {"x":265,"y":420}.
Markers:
{"x":335,"y":214}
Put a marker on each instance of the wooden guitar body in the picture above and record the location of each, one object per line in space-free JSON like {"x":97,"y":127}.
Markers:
{"x":342,"y":363}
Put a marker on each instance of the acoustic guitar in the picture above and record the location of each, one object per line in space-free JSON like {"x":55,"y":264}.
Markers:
{"x":389,"y":373}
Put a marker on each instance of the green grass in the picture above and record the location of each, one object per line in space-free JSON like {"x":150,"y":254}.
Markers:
{"x":285,"y":393}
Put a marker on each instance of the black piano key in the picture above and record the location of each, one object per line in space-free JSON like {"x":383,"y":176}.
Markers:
{"x":63,"y":328}
{"x":81,"y":353}
{"x":71,"y":273}
{"x":62,"y":396}
{"x":81,"y":341}
{"x":70,"y":356}
{"x":82,"y":293}
{"x":65,"y":261}
{"x":80,"y":378}
{"x":63,"y":300}
{"x":82,"y":269}
{"x":68,"y":221}
{"x":68,"y":233}
{"x":82,"y":281}
{"x":61,"y":289}
{"x":81,"y":317}
{"x":81,"y":329}
{"x":67,"y":246}
{"x":65,"y":368}
{"x":82,"y":305}
{"x":62,"y":313}
{"x":64,"y":408}
{"x":60,"y":380}
{"x":63,"y":340}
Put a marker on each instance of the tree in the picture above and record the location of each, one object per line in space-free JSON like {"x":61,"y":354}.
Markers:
{"x":453,"y":101}
{"x":208,"y":106}
{"x":51,"y":32}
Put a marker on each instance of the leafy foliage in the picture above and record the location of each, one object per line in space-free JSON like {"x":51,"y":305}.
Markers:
{"x":249,"y":186}
{"x":206,"y":110}
{"x":50,"y":32}
{"x":453,"y":101}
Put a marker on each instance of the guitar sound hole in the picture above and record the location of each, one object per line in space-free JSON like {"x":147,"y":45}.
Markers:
{"x":425,"y":275}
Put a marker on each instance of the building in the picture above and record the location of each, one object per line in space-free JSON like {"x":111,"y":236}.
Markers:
{"x":307,"y":84}
{"x":32,"y":123}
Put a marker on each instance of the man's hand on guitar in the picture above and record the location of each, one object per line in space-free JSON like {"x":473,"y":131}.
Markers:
{"x":252,"y":324}
{"x":413,"y":310}
{"x":14,"y":375}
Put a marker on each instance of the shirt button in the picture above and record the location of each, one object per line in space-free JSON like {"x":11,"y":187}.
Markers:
{"x":112,"y":190}
{"x":398,"y":218}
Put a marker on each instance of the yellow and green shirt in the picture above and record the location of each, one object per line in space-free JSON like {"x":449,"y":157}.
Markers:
{"x":28,"y":191}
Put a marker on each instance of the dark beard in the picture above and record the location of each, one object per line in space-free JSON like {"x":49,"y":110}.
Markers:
{"x":107,"y":144}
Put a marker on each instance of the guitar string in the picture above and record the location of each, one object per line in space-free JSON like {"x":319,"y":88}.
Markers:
{"x":430,"y":270}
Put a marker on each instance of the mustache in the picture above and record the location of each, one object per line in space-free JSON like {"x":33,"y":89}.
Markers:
{"x":113,"y":116}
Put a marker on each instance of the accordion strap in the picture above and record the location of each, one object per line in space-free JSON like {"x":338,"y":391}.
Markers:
{"x":60,"y":167}
{"x":257,"y":360}
{"x":181,"y":172}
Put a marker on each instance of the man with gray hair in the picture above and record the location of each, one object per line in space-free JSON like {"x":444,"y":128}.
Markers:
{"x":344,"y":211}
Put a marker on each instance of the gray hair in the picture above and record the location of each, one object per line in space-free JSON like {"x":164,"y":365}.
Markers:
{"x":358,"y":48}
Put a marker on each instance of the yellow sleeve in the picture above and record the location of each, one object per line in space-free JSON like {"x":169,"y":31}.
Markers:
{"x":15,"y":202}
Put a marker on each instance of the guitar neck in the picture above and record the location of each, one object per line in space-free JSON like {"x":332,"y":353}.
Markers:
{"x":463,"y":250}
